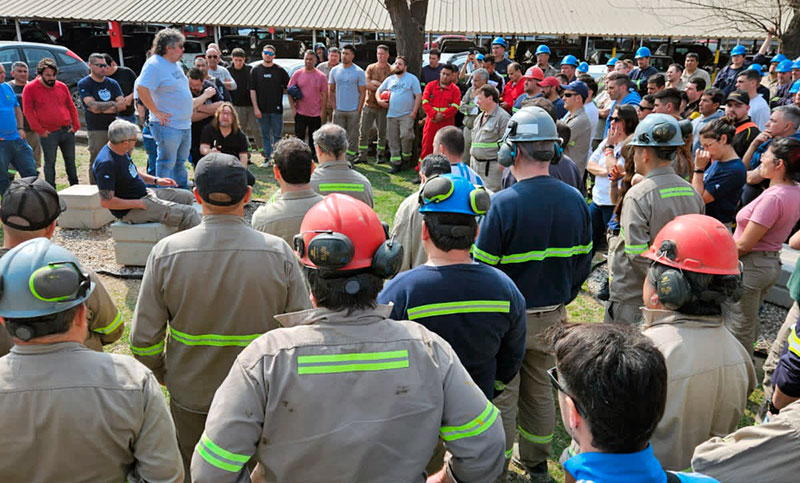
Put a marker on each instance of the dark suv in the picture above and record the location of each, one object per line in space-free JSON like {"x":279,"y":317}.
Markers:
{"x":71,"y":68}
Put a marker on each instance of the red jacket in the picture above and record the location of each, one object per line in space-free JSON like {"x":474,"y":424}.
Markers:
{"x":437,"y":99}
{"x":49,"y":108}
{"x":512,"y":91}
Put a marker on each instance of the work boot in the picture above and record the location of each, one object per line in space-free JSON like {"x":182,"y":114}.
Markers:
{"x":396,"y":168}
{"x":604,"y":294}
{"x":538,"y":473}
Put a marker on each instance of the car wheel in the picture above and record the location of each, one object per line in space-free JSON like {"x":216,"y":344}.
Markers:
{"x":76,"y":99}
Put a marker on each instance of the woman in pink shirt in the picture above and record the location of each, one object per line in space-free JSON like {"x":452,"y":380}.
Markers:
{"x":762,"y":227}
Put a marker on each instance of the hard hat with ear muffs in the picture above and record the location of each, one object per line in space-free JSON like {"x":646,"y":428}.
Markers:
{"x":37,"y":279}
{"x":691,"y":243}
{"x":658,"y":130}
{"x":341,"y":236}
{"x":449,"y":193}
{"x":530,"y":124}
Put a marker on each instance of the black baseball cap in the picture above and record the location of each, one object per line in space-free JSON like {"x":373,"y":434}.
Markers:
{"x":739,"y":96}
{"x":221,"y":179}
{"x":30,"y":204}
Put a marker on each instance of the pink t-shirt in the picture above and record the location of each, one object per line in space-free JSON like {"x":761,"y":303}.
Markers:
{"x":777,"y":208}
{"x":313,"y":84}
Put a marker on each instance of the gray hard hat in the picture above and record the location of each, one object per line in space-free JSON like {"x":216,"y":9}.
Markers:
{"x":658,"y":130}
{"x":529,"y":124}
{"x":39,"y":278}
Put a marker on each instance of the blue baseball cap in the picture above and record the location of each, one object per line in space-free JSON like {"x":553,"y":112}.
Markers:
{"x":500,"y":41}
{"x":778,"y":59}
{"x":757,"y":68}
{"x":796,"y":65}
{"x":738,"y":50}
{"x":577,"y":86}
{"x":583,"y":67}
{"x":795,"y":87}
{"x":642,"y":52}
{"x":570,"y":60}
{"x":612,"y":61}
{"x":542,"y":49}
{"x":784,"y":66}
{"x":449,"y":193}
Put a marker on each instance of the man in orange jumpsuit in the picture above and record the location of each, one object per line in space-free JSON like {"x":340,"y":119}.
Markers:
{"x":440,"y":100}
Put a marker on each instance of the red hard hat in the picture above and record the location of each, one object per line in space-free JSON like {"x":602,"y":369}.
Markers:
{"x":385,"y":95}
{"x":696,"y":243}
{"x":347,"y":216}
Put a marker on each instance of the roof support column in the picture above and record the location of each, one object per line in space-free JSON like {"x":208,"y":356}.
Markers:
{"x":313,"y":38}
{"x":586,"y":49}
{"x":19,"y":32}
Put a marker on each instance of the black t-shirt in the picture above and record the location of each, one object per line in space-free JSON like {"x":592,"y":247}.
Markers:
{"x":18,"y":91}
{"x":233,"y":144}
{"x":269,"y":84}
{"x":197,"y":126}
{"x":743,"y":138}
{"x":125,"y":77}
{"x":241,"y":96}
{"x":117,"y":173}
{"x":105,"y":91}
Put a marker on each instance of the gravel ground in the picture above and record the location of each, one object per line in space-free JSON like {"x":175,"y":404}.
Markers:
{"x":770,"y":317}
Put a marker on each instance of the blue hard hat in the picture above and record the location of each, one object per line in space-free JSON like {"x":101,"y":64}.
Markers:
{"x":583,"y":67}
{"x":658,"y":130}
{"x":795,"y":87}
{"x":796,"y":65}
{"x":500,"y":41}
{"x":757,"y":68}
{"x":450,"y":193}
{"x":542,"y":49}
{"x":738,"y":50}
{"x":642,"y":52}
{"x":778,"y":58}
{"x":570,"y":60}
{"x":612,"y":61}
{"x":784,"y":66}
{"x":479,"y":56}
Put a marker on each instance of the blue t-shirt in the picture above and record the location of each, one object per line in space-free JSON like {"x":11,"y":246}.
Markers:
{"x":461,"y":169}
{"x":118,"y":174}
{"x":170,"y":90}
{"x":724,"y":181}
{"x":8,"y":116}
{"x":105,"y":91}
{"x":403,"y":89}
{"x":474,"y":307}
{"x":539,"y":233}
{"x":641,"y":467}
{"x":632,"y":98}
{"x":347,"y":83}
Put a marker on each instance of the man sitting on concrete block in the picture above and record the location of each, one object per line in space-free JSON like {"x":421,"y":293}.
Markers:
{"x":122,"y":185}
{"x":30,"y":209}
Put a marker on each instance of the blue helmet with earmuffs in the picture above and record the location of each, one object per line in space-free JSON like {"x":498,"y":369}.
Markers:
{"x":529,"y":124}
{"x":450,"y":193}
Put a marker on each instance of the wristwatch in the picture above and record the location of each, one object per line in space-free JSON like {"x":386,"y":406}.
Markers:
{"x":701,"y":171}
{"x":773,"y":409}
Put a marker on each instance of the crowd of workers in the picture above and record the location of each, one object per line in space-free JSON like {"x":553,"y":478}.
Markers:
{"x":292,"y":360}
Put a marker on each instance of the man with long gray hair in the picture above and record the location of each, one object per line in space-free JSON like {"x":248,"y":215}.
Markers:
{"x":334,"y":174}
{"x":164,"y":90}
{"x":122,"y":185}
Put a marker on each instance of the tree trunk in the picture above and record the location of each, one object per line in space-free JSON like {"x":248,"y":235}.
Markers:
{"x":791,"y":36}
{"x":408,"y":22}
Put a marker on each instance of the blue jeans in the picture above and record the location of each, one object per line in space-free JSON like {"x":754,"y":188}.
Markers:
{"x":172,"y":152}
{"x":19,"y":153}
{"x":150,"y":148}
{"x":271,"y":128}
{"x":65,"y":140}
{"x":600,"y":215}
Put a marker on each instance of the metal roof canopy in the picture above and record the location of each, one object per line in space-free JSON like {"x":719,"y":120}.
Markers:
{"x":603,"y":18}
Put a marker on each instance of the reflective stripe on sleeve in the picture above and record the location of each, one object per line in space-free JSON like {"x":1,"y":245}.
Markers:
{"x":499,"y":385}
{"x":485,"y":145}
{"x":147,"y":351}
{"x":552,"y":252}
{"x":453,"y":104}
{"x":534,"y":438}
{"x":216,"y":456}
{"x":677,"y":191}
{"x":352,"y":362}
{"x":462,"y":307}
{"x":341,"y":187}
{"x":473,"y":428}
{"x":110,"y":327}
{"x":636,"y":249}
{"x":213,"y":339}
{"x":794,"y":342}
{"x":483,"y":256}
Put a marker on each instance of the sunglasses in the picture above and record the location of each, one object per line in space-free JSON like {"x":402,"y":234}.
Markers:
{"x":614,"y":119}
{"x":553,"y":373}
{"x":569,"y":94}
{"x":645,"y":108}
{"x":101,"y":66}
{"x":267,"y":52}
{"x":212,"y":56}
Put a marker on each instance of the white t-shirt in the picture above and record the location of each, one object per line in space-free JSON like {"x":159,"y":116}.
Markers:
{"x":759,"y":111}
{"x":601,"y":193}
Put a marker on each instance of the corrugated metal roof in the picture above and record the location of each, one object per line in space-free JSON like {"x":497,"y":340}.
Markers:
{"x":609,"y":18}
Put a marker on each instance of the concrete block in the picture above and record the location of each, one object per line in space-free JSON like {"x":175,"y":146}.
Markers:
{"x":779,"y":296}
{"x":132,"y":243}
{"x":83,"y":208}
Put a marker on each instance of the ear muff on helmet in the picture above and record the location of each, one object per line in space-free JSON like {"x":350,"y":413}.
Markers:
{"x":558,"y":152}
{"x":436,"y":189}
{"x":59,"y":282}
{"x":508,"y":150}
{"x":387,"y":259}
{"x":672,"y":288}
{"x":479,"y":200}
{"x":327,"y":250}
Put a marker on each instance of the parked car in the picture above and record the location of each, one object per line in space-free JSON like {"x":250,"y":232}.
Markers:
{"x":30,"y":33}
{"x":438,"y":40}
{"x":679,"y":50}
{"x":291,"y":66}
{"x":366,"y":53}
{"x":229,"y":42}
{"x":284,"y":49}
{"x":71,"y":68}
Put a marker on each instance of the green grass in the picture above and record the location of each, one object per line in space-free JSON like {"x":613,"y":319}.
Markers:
{"x":389,"y":190}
